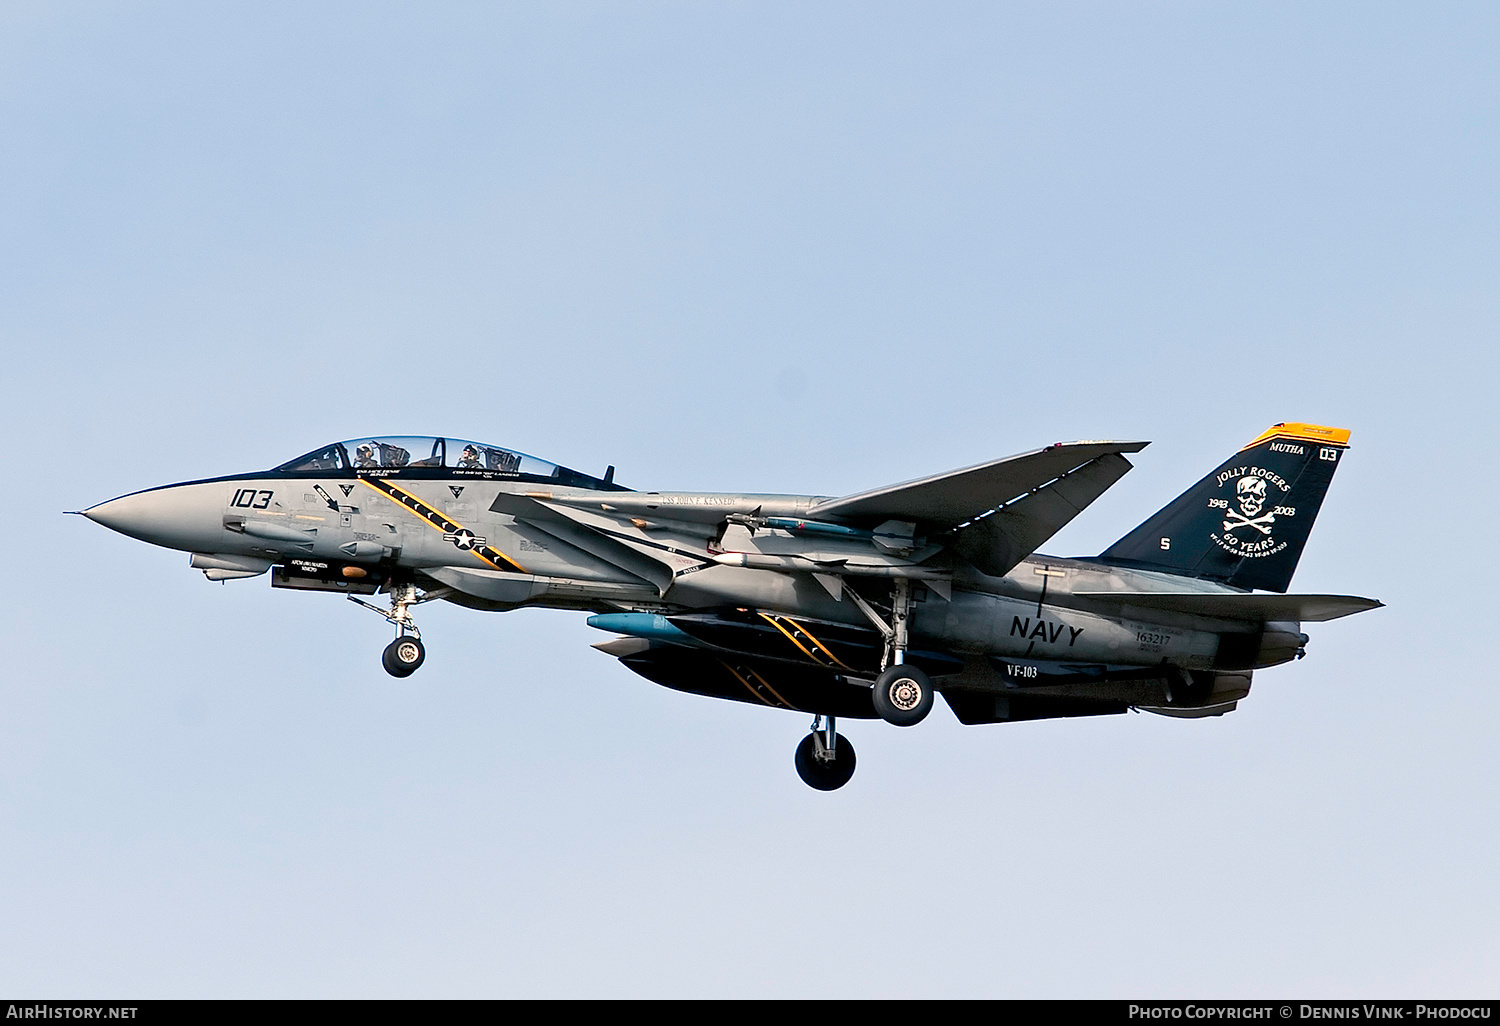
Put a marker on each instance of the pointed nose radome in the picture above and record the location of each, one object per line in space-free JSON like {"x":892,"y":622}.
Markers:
{"x":188,"y":517}
{"x":123,"y":515}
{"x":128,"y":514}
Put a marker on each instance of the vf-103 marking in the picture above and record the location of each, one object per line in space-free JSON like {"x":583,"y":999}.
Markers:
{"x":863,"y":606}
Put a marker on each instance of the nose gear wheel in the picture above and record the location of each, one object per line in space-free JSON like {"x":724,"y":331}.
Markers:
{"x":402,"y":656}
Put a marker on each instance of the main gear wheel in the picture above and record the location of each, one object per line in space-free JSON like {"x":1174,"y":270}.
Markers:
{"x":903,"y":695}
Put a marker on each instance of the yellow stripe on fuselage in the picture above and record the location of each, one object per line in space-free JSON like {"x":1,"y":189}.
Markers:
{"x":767,"y":685}
{"x":814,"y":639}
{"x":777,"y":624}
{"x":763,"y":683}
{"x":440,"y":521}
{"x":748,"y":687}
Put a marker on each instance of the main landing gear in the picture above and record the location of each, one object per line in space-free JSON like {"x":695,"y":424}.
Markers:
{"x":402,"y":656}
{"x":903,"y":693}
{"x":902,"y":696}
{"x":825,"y":758}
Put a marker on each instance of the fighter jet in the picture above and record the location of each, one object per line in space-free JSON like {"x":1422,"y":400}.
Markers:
{"x":863,"y":606}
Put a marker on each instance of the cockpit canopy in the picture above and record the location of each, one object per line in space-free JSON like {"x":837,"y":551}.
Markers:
{"x":416,"y":453}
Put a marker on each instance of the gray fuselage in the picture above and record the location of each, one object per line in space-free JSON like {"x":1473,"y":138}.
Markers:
{"x":1032,"y":614}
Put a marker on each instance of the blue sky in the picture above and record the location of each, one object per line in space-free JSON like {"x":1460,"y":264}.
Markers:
{"x":781,"y":247}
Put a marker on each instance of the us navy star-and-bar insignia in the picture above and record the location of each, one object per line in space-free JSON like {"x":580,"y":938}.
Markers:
{"x":464,"y":539}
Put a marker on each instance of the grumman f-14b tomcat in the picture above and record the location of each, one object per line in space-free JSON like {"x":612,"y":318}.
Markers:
{"x":863,"y":606}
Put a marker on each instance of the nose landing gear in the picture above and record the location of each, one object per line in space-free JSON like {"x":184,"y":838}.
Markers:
{"x":402,"y":656}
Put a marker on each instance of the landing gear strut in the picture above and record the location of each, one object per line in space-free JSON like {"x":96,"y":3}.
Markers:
{"x":402,"y":656}
{"x":903,"y":693}
{"x":825,"y":758}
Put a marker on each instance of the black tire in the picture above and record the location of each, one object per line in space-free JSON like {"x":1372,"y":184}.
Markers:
{"x":825,"y":776}
{"x":402,"y":656}
{"x":903,"y":695}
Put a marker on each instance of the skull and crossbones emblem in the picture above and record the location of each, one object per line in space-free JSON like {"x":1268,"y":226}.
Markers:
{"x":1251,"y":495}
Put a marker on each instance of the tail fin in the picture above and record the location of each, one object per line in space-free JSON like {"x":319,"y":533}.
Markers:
{"x":1246,"y":523}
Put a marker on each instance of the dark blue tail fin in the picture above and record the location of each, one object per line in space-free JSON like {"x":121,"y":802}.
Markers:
{"x":1246,"y":523}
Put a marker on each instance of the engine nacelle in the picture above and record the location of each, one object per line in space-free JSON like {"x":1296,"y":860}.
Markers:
{"x":1276,"y":643}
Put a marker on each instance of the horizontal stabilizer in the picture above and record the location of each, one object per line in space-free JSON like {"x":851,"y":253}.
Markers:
{"x":958,"y":496}
{"x":1254,"y":608}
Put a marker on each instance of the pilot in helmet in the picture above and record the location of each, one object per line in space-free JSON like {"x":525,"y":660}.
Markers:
{"x":470,"y":459}
{"x":364,"y":456}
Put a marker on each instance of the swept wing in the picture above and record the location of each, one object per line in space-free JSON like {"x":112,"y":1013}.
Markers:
{"x":958,"y":496}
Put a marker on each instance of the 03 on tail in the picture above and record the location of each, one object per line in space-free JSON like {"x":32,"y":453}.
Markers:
{"x":863,"y":606}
